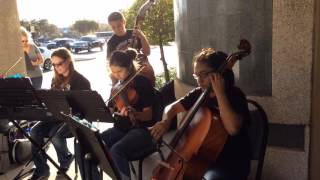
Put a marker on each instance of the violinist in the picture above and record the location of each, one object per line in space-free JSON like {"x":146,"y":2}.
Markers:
{"x":124,"y":143}
{"x":225,"y":101}
{"x":123,"y":39}
{"x":65,"y":78}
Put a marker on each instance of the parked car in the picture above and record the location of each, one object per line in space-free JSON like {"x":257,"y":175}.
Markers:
{"x":46,"y":54}
{"x":106,"y":35}
{"x":61,"y":42}
{"x":87,"y":43}
{"x":65,"y":42}
{"x":52,"y":45}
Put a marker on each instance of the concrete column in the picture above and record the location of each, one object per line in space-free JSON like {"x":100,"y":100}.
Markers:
{"x":315,"y":115}
{"x":10,"y":39}
{"x":221,"y":24}
{"x":278,"y":73}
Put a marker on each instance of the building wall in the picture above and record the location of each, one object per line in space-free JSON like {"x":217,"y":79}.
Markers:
{"x":277,"y":74}
{"x":10,"y":46}
{"x":315,"y":116}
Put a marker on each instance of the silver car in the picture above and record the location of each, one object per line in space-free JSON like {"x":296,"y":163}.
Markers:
{"x":46,"y":54}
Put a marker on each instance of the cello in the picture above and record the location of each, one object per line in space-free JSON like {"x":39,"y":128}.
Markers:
{"x":201,"y":137}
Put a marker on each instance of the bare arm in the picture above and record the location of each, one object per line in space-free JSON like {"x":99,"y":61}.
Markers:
{"x":170,"y":112}
{"x":231,"y":120}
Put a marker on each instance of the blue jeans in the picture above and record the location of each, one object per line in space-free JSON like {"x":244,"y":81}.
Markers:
{"x":46,"y":129}
{"x":122,"y":147}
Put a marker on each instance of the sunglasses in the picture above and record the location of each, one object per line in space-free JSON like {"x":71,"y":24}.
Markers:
{"x":24,"y":41}
{"x":58,"y":64}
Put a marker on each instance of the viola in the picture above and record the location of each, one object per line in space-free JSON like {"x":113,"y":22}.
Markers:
{"x":201,"y":137}
{"x":124,"y":95}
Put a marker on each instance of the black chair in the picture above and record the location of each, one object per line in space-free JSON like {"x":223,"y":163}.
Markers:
{"x":258,"y":135}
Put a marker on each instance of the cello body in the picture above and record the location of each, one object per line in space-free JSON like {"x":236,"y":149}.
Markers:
{"x":201,"y":144}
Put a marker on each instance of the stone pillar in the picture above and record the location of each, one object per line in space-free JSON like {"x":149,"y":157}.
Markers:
{"x":278,"y":73}
{"x":315,"y":115}
{"x":221,"y":24}
{"x":10,"y":39}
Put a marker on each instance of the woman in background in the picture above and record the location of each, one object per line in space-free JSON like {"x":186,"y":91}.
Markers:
{"x":33,"y":59}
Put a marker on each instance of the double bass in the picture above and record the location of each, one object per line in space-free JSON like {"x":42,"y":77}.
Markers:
{"x":142,"y":60}
{"x":201,"y":137}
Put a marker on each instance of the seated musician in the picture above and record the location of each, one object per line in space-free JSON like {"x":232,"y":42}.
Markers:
{"x":129,"y":135}
{"x":122,"y":40}
{"x":227,"y":102}
{"x":65,"y":78}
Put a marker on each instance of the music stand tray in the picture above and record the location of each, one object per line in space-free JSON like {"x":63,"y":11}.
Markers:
{"x":18,"y":92}
{"x":84,"y":104}
{"x":90,"y":106}
{"x":91,"y":142}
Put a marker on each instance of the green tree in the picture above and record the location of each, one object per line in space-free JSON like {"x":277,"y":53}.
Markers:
{"x":158,"y":25}
{"x":85,"y":26}
{"x":42,"y":28}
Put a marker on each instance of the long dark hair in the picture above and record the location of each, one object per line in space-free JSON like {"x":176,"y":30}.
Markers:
{"x":59,"y":81}
{"x":214,"y":59}
{"x":124,"y":59}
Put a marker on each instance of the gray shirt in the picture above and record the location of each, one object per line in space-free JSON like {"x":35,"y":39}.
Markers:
{"x":32,"y":55}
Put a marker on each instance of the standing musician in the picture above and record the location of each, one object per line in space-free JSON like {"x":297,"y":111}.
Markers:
{"x":123,"y":39}
{"x":65,"y":78}
{"x":125,"y":141}
{"x":226,"y":102}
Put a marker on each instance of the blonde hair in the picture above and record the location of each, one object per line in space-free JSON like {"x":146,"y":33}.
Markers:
{"x":24,"y":32}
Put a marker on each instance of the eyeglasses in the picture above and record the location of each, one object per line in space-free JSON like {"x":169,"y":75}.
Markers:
{"x":58,"y":64}
{"x":24,"y":41}
{"x":201,"y":75}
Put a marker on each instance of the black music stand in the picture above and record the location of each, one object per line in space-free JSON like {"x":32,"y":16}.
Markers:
{"x":15,"y":93}
{"x":90,"y":106}
{"x":87,"y":105}
{"x":92,"y":147}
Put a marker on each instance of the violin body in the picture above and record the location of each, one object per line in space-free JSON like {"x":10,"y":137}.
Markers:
{"x":198,"y":148}
{"x":126,"y":98}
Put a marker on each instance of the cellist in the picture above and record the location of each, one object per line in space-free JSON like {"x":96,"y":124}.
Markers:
{"x":227,"y":102}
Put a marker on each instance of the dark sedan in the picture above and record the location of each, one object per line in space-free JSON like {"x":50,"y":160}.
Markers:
{"x":87,"y":43}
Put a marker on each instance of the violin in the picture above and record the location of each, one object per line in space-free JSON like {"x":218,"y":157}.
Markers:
{"x":124,"y":95}
{"x":201,"y":137}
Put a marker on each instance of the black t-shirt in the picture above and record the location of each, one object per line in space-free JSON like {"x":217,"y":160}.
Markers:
{"x":145,"y":94}
{"x":118,"y":42}
{"x":235,"y":153}
{"x":77,"y":82}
